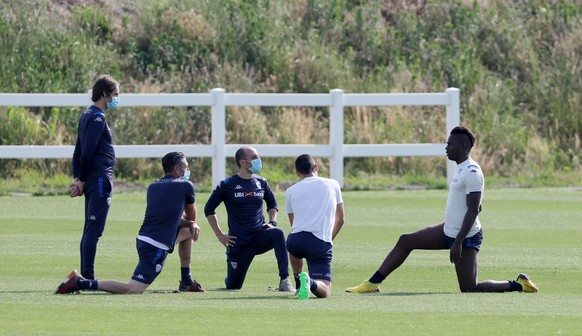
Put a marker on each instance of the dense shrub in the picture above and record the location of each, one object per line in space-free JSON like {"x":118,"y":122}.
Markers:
{"x":517,"y":64}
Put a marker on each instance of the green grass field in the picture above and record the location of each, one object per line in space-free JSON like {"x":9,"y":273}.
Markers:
{"x":536,"y":231}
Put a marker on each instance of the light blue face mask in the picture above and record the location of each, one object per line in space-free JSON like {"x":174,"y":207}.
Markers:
{"x":113,"y":103}
{"x":256,"y":166}
{"x":186,"y":176}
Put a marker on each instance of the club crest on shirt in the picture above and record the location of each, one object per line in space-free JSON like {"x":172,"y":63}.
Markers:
{"x":233,"y":264}
{"x":258,"y":184}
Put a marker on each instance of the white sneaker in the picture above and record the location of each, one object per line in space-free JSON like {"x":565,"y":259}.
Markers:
{"x":286,"y":286}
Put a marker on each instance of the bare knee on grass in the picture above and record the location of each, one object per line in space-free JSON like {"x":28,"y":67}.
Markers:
{"x":323,"y":289}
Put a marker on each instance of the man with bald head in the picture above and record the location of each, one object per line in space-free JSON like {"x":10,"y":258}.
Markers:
{"x":249,"y":234}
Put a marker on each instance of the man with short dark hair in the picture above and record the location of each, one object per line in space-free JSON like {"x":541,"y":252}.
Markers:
{"x":460,"y":232}
{"x":248,"y":232}
{"x":316,"y":212}
{"x":93,"y":161}
{"x":170,"y":219}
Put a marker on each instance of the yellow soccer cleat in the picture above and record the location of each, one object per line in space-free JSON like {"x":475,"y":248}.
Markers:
{"x":526,"y":284}
{"x":364,"y":287}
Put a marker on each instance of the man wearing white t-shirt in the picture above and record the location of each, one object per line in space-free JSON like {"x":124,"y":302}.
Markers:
{"x":460,"y":232}
{"x":316,"y":213}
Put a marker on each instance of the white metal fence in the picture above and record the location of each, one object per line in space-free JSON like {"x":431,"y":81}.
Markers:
{"x":218,"y":150}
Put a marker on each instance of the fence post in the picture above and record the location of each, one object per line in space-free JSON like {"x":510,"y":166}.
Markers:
{"x":218,"y":136}
{"x":453,"y":120}
{"x":336,"y":135}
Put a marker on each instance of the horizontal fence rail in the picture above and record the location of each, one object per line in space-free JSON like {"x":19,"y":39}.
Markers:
{"x":219,"y":150}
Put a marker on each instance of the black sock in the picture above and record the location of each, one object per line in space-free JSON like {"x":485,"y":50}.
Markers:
{"x":186,"y":277}
{"x":312,"y":285}
{"x":515,"y":286}
{"x":87,"y":284}
{"x":377,"y":278}
{"x":297,"y":281}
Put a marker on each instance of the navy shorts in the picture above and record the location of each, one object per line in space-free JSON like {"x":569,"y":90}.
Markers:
{"x":473,"y":242}
{"x":317,"y":252}
{"x":151,"y":262}
{"x":239,"y":257}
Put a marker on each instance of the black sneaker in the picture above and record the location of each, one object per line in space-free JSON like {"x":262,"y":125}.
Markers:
{"x":194,"y":287}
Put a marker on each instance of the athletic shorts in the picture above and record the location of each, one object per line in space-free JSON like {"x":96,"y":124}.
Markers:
{"x":317,"y":253}
{"x":151,"y":262}
{"x":473,"y":242}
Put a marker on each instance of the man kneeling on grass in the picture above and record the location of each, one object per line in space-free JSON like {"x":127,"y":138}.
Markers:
{"x":316,"y":213}
{"x":460,"y":233}
{"x":170,"y":219}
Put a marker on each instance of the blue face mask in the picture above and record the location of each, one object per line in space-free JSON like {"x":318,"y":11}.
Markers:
{"x":256,"y":166}
{"x":113,"y":103}
{"x":186,"y":176}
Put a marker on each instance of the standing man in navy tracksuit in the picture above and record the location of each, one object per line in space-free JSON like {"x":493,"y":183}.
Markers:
{"x":249,"y":234}
{"x":93,"y":162}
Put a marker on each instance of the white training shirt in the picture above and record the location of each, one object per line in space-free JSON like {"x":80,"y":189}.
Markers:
{"x":468,"y":178}
{"x":313,"y":202}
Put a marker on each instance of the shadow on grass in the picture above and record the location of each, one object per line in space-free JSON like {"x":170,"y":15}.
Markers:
{"x":2,"y":292}
{"x":382,"y":294}
{"x":89,"y":292}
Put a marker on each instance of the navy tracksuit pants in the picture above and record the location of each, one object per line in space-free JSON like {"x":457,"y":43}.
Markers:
{"x":97,"y":202}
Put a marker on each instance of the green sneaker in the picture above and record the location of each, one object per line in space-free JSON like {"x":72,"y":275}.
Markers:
{"x":364,"y":287}
{"x":303,"y":292}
